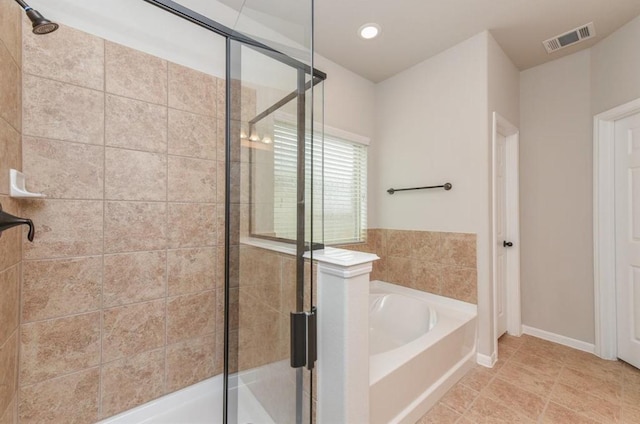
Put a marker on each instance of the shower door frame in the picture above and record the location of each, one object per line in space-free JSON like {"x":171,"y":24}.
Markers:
{"x":316,"y":76}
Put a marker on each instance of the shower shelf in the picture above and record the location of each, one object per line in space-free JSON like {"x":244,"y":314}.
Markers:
{"x":18,"y":187}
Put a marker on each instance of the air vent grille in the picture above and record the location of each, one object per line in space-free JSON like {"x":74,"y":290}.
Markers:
{"x":569,"y":38}
{"x":584,"y":32}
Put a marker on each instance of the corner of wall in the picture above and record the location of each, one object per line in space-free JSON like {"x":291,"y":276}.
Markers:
{"x":615,"y":68}
{"x":556,"y":177}
{"x":11,"y":240}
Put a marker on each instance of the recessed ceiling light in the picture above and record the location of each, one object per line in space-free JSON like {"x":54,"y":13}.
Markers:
{"x":369,"y":31}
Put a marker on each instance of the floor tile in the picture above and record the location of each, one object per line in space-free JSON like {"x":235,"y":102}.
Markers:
{"x":459,"y":398}
{"x":556,"y":414}
{"x":536,"y":381}
{"x":586,"y":382}
{"x":486,"y":410}
{"x":440,"y":414}
{"x":528,"y":379}
{"x":516,"y":398}
{"x":585,"y":404}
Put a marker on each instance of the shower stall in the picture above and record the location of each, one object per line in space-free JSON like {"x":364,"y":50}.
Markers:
{"x":178,"y":147}
{"x":273,"y":204}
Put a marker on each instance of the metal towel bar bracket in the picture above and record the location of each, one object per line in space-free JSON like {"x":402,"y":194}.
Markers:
{"x":446,"y":186}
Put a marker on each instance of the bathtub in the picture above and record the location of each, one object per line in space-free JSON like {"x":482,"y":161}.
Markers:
{"x":200,"y":403}
{"x":420,"y":345}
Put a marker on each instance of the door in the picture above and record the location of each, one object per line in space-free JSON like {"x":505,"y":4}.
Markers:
{"x":506,"y":228}
{"x":270,"y":324}
{"x":627,"y":206}
{"x":500,"y":202}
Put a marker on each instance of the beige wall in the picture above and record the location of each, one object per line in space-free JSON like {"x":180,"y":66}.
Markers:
{"x":558,"y":101}
{"x":350,"y":105}
{"x":11,"y":240}
{"x":556,"y":197}
{"x":120,"y":286}
{"x":433,"y":126}
{"x":503,"y":95}
{"x":504,"y":85}
{"x":615,"y":68}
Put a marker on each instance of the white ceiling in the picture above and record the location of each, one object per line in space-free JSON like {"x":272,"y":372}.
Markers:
{"x":414,"y":30}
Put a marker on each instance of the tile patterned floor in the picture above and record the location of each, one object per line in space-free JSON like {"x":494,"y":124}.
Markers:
{"x":536,"y":381}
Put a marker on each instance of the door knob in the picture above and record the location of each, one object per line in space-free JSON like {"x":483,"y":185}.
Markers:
{"x":507,"y":244}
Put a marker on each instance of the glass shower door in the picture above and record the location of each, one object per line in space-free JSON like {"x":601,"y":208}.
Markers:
{"x":269,"y":221}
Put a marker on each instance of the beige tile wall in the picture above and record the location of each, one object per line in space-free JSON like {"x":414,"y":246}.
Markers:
{"x":435,"y":262}
{"x":10,"y":241}
{"x":122,"y":294}
{"x":266,"y":296}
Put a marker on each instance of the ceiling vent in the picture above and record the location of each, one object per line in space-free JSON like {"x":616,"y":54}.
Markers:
{"x":569,"y":38}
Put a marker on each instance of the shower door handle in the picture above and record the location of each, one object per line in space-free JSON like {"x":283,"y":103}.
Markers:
{"x":298,"y":339}
{"x":304,"y":339}
{"x":312,"y":338}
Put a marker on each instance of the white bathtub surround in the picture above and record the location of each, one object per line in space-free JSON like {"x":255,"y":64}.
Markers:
{"x":200,"y":403}
{"x":423,"y":345}
{"x":343,"y":335}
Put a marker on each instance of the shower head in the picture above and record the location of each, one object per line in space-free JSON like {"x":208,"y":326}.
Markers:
{"x":41,"y":25}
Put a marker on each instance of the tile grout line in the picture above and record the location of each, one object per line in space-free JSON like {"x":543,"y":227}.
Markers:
{"x":598,"y":396}
{"x":563,"y":364}
{"x":549,"y":395}
{"x":112,"y":146}
{"x":3,"y":42}
{"x":66,"y":374}
{"x":119,"y":306}
{"x":127,"y":252}
{"x":482,"y":390}
{"x":557,"y":382}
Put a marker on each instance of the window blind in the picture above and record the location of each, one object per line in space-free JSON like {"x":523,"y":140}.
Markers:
{"x":340,"y":201}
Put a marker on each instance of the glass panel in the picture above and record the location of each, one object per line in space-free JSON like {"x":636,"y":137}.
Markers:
{"x":275,"y":179}
{"x":224,"y":12}
{"x":265,"y":285}
{"x":283,"y":25}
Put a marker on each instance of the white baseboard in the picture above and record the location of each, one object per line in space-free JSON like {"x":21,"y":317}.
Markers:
{"x":557,"y":338}
{"x":486,"y":360}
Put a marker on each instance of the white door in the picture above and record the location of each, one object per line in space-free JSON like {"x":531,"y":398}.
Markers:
{"x":501,"y":233}
{"x":627,"y":206}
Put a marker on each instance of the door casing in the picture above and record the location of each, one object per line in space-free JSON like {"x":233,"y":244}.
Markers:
{"x":604,"y":227}
{"x":512,"y":214}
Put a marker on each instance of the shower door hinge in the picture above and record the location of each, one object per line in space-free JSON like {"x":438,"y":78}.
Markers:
{"x":304,"y":339}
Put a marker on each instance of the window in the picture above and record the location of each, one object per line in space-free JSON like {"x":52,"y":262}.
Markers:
{"x":342,"y":168}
